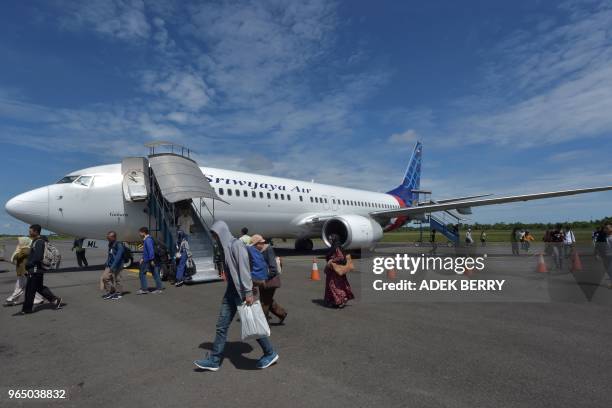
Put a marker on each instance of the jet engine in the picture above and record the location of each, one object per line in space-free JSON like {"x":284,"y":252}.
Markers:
{"x":355,"y":231}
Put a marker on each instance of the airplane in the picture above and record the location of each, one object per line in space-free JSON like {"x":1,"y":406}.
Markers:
{"x":91,"y":201}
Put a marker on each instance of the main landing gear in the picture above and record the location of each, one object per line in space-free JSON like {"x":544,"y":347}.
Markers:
{"x":304,"y":244}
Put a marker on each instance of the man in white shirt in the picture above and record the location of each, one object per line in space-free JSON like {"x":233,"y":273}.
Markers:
{"x":468,"y":237}
{"x":569,"y":241}
{"x":185,"y":221}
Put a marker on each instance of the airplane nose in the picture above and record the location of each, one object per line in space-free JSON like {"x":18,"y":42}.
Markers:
{"x":31,"y":207}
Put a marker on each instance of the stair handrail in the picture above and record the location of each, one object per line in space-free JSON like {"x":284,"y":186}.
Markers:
{"x":201,"y":218}
{"x":165,"y":213}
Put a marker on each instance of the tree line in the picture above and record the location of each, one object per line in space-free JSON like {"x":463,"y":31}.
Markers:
{"x":592,"y":224}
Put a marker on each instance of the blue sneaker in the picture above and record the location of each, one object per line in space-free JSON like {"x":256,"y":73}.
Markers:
{"x":207,"y":364}
{"x":267,"y":361}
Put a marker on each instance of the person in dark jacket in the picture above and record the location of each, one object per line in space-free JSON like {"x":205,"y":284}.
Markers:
{"x":270,"y":281}
{"x":35,"y":273}
{"x":182,"y":255}
{"x":148,"y":263}
{"x":556,"y":239}
{"x":77,"y":247}
{"x":111,"y":278}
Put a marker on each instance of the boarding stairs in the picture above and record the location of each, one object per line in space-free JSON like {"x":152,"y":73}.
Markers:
{"x":201,"y":243}
{"x":169,"y":180}
{"x":444,"y":226}
{"x":442,"y":222}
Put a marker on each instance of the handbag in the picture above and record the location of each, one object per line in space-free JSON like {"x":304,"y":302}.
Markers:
{"x":273,"y":282}
{"x":254,"y":322}
{"x":190,"y":267}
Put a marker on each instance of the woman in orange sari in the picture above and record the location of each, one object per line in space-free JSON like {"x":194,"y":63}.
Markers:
{"x":337,"y":287}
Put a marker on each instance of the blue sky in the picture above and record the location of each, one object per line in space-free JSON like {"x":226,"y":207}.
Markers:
{"x":508,"y":97}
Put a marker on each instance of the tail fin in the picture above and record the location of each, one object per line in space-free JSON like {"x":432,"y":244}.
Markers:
{"x":412,"y":179}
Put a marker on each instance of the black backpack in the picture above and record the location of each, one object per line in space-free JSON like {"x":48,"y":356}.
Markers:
{"x":161,"y":251}
{"x":127,"y":254}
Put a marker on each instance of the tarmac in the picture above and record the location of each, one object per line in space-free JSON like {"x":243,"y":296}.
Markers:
{"x":138,"y":351}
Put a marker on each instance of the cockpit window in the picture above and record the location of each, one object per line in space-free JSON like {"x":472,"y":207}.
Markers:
{"x":84,"y":180}
{"x":67,"y":179}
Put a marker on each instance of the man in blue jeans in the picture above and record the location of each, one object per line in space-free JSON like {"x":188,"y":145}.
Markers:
{"x":147,"y":263}
{"x":239,"y":289}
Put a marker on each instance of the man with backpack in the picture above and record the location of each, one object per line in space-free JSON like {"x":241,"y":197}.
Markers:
{"x":111,"y":278}
{"x":148,"y":263}
{"x":40,"y":259}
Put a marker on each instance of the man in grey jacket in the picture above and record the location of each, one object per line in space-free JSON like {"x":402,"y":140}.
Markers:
{"x":239,"y":289}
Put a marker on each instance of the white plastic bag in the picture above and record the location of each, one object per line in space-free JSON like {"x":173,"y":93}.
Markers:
{"x":254,"y":322}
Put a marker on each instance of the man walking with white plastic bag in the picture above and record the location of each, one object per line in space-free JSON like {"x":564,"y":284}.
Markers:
{"x":239,"y":289}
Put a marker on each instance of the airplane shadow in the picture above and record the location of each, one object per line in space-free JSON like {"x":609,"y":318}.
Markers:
{"x":234,"y":351}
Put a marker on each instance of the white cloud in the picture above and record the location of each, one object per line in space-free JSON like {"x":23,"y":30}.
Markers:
{"x":122,"y":19}
{"x":408,"y":136}
{"x":183,"y":88}
{"x":543,"y":86}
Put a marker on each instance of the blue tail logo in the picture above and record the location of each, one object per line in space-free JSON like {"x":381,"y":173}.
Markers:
{"x":412,"y":179}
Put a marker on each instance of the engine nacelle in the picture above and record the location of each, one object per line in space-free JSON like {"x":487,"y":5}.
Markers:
{"x":355,"y":231}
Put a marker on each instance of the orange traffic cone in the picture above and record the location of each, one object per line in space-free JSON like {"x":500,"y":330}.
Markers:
{"x":391,"y":273}
{"x":576,"y":263}
{"x":314,"y":274}
{"x":541,"y":265}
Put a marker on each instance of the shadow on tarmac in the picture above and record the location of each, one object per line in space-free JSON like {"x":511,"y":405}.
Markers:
{"x":234,"y":351}
{"x":78,"y":269}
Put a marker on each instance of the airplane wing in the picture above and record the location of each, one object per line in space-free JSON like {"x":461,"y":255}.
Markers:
{"x":448,"y":200}
{"x":422,"y":209}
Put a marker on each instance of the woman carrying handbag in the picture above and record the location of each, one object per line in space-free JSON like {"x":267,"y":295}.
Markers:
{"x":266,"y":276}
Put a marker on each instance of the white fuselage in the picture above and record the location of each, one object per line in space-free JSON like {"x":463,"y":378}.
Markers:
{"x":270,"y":206}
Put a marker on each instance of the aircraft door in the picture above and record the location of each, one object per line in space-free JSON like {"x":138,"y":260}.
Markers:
{"x":326,"y":202}
{"x":135,"y":171}
{"x":335,"y":203}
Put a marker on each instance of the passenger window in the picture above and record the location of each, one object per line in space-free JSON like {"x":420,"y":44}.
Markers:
{"x":221,"y":191}
{"x":253,"y":194}
{"x":229,"y":192}
{"x":282,"y":196}
{"x":311,"y":199}
{"x":301,"y":198}
{"x":269,"y":196}
{"x":246,"y":193}
{"x":261,"y":194}
{"x":237,"y":193}
{"x":288,"y":197}
{"x":317,"y":200}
